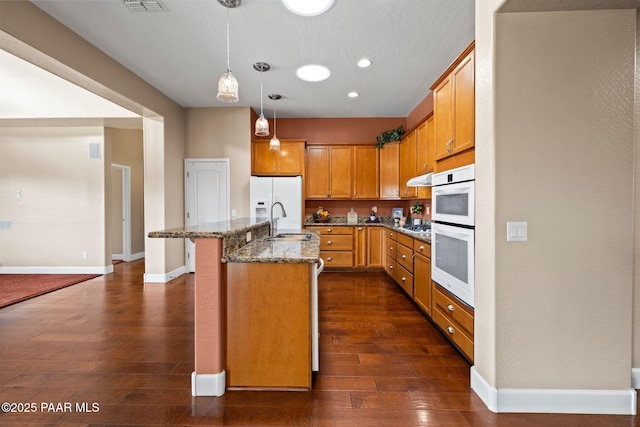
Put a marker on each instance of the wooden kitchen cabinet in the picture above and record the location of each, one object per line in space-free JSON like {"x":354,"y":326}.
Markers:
{"x":366,"y":182}
{"x":404,"y":260}
{"x":329,"y":172}
{"x":408,"y":165}
{"x":422,"y":275}
{"x":454,"y":109}
{"x":454,"y":318}
{"x":390,"y":264}
{"x":268,"y":326}
{"x":425,"y":154}
{"x":336,"y":246}
{"x":368,"y":247}
{"x":390,"y":171}
{"x":289,"y":161}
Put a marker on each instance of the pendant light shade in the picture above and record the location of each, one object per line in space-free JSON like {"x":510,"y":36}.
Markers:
{"x":227,"y":84}
{"x":274,"y":144}
{"x":228,"y":88}
{"x":262,"y":125}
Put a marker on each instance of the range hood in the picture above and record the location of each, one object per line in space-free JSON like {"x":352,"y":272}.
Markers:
{"x":421,"y":180}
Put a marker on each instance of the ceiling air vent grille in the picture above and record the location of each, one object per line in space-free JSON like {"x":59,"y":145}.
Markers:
{"x":144,"y":5}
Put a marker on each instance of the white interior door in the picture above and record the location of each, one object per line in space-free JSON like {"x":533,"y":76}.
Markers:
{"x":207,"y":196}
{"x":120,"y":212}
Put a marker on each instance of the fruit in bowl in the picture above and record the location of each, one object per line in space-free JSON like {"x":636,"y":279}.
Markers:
{"x":321,"y":215}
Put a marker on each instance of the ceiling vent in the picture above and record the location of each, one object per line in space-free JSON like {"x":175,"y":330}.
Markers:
{"x":144,"y":5}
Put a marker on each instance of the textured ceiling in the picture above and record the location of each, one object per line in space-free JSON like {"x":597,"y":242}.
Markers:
{"x":182,"y":50}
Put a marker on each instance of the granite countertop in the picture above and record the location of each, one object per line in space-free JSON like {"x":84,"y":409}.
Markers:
{"x":278,"y":252}
{"x":211,"y":230}
{"x":385,"y":222}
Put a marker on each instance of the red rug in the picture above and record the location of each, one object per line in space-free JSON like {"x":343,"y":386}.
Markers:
{"x":19,"y":287}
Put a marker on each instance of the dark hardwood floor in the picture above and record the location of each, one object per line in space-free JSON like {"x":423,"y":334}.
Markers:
{"x":116,"y":351}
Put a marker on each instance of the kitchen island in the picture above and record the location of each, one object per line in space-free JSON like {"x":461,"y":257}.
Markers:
{"x":238,"y":253}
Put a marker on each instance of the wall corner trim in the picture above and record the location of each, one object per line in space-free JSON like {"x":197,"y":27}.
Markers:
{"x":164,"y":277}
{"x":208,"y":384}
{"x":635,"y":377}
{"x":561,"y":401}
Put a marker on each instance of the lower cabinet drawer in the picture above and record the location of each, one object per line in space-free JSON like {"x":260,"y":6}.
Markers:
{"x":404,"y":256}
{"x":337,"y":258}
{"x":405,"y":279}
{"x":454,"y":309}
{"x":455,"y":334}
{"x":390,"y":266}
{"x":339,"y":242}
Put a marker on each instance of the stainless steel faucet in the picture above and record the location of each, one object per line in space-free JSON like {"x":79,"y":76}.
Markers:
{"x":274,"y":221}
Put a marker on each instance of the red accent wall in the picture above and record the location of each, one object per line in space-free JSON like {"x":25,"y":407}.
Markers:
{"x":335,"y":130}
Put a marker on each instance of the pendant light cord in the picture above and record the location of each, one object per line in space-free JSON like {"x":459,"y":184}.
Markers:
{"x":275,"y":126}
{"x":261,"y":113}
{"x":228,"y":69}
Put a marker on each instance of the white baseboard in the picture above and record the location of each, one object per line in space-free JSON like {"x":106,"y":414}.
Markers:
{"x":164,"y":277}
{"x":134,"y":257}
{"x":57,"y":270}
{"x":208,"y":384}
{"x":611,"y":402}
{"x":137,"y":256}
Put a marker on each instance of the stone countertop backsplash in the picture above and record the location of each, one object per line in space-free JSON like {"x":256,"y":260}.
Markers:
{"x":387,"y":222}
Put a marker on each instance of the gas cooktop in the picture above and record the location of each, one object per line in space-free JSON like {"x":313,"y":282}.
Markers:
{"x":420,"y":228}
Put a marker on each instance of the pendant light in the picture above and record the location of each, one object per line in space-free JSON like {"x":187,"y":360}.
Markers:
{"x":262,"y":125}
{"x":227,"y":84}
{"x":274,"y":144}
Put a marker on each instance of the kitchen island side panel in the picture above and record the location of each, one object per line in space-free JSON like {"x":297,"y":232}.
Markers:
{"x":209,"y":307}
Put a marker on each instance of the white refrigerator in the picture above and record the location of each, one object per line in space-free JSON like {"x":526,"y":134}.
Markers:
{"x":264,"y":191}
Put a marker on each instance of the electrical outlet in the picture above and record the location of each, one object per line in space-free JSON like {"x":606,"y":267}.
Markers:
{"x":85,"y":255}
{"x":248,"y":236}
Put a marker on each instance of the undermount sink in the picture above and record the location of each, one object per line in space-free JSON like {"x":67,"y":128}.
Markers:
{"x":290,"y":237}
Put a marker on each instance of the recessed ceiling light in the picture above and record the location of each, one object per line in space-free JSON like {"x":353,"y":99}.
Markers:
{"x":364,"y":63}
{"x":353,"y":94}
{"x":313,"y":73}
{"x":308,"y":7}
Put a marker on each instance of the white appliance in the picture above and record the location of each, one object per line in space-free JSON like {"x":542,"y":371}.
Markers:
{"x":453,"y":196}
{"x":452,"y":232}
{"x":265,"y":191}
{"x":315,"y":334}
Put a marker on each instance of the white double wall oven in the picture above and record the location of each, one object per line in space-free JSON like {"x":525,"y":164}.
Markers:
{"x":453,"y":233}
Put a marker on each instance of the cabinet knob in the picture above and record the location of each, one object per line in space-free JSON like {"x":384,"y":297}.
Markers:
{"x":360,"y":228}
{"x":404,"y":257}
{"x":450,"y":329}
{"x":391,"y":267}
{"x":404,"y":279}
{"x":450,"y":307}
{"x":390,"y":248}
{"x":329,"y":242}
{"x":329,"y":230}
{"x":329,"y":259}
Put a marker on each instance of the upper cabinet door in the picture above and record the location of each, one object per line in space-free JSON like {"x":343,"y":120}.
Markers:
{"x":317,"y":172}
{"x":366,"y":182}
{"x":408,"y":165}
{"x":454,"y":109}
{"x":329,"y":171}
{"x":340,"y":172}
{"x":464,"y":104}
{"x":289,"y":161}
{"x":390,"y":171}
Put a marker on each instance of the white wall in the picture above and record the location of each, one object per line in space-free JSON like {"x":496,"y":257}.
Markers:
{"x":224,"y":133}
{"x":555,"y":148}
{"x":61,"y":209}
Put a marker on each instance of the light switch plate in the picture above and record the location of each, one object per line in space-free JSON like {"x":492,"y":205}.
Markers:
{"x":517,"y":232}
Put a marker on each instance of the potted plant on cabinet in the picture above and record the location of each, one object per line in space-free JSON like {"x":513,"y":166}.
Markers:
{"x":390,"y":136}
